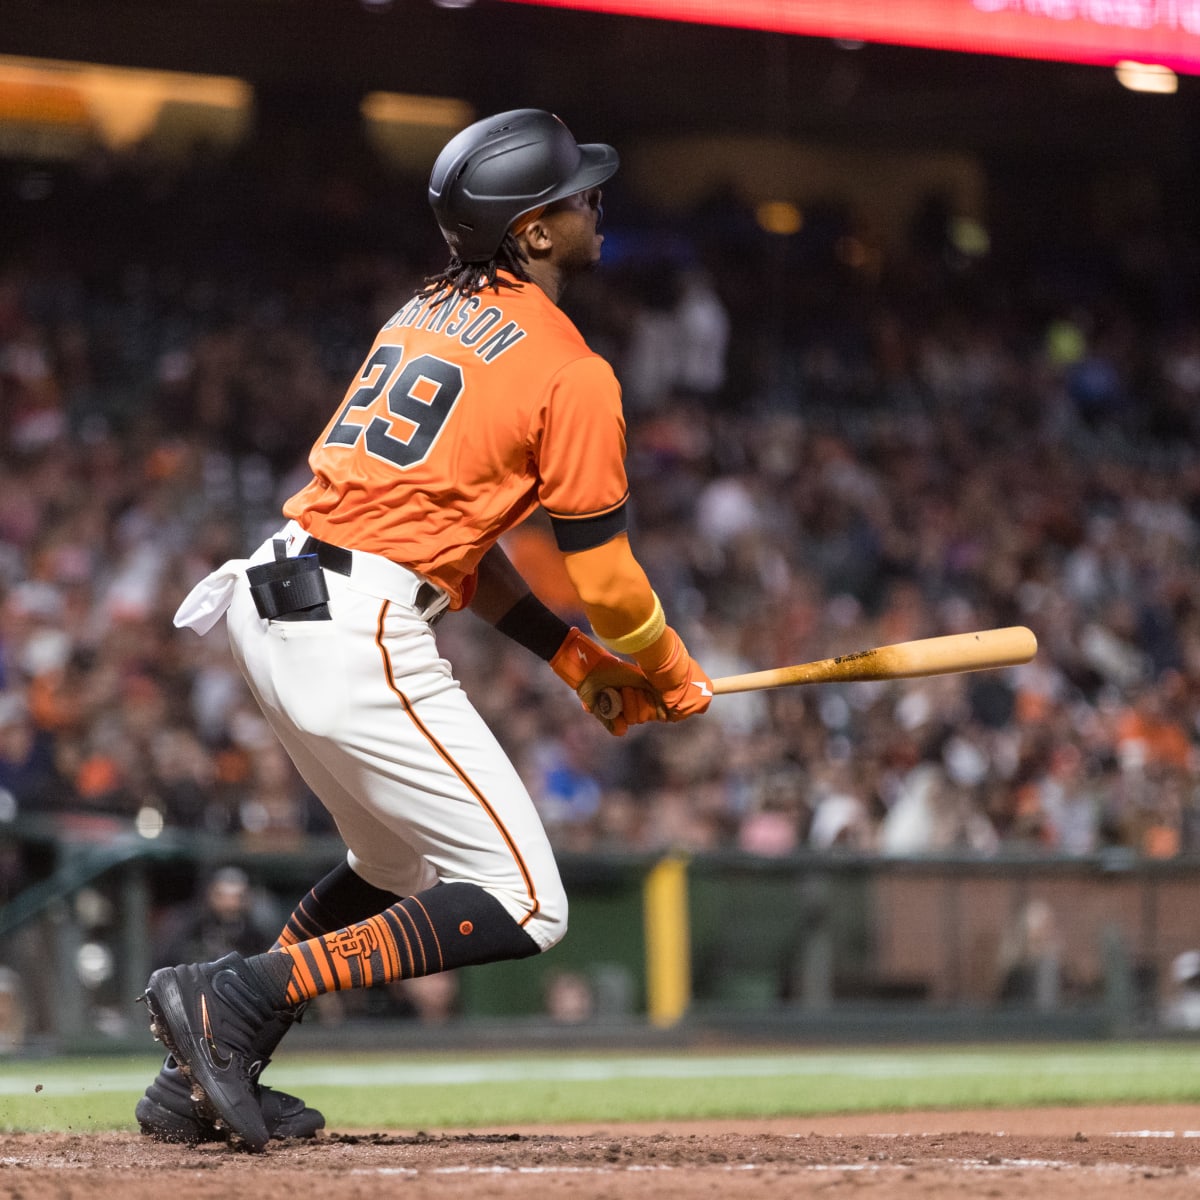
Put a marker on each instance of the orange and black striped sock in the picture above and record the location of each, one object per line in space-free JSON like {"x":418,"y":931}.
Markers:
{"x":448,"y":926}
{"x":341,"y":898}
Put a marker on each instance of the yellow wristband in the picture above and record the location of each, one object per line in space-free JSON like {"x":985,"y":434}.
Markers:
{"x":646,"y":634}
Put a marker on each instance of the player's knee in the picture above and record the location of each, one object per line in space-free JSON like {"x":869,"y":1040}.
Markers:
{"x":539,"y":912}
{"x":546,"y":921}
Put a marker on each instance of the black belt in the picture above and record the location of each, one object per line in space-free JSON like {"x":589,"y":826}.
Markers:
{"x":341,"y":561}
{"x":332,"y":558}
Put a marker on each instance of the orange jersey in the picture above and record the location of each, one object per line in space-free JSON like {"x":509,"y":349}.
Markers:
{"x":467,"y":414}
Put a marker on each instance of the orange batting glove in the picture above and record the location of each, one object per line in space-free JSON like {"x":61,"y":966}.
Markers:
{"x":590,"y":669}
{"x":680,"y":681}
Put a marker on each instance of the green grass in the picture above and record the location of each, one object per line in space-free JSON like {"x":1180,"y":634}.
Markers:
{"x":468,"y":1090}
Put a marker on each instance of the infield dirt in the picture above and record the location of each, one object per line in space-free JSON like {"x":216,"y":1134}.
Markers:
{"x":1065,"y":1154}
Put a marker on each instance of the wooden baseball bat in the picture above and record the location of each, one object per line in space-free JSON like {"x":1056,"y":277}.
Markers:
{"x":955,"y":652}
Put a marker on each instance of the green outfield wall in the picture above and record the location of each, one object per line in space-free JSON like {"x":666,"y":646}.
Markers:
{"x":821,"y":945}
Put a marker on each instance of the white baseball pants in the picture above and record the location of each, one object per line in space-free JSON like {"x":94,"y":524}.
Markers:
{"x":381,"y":731}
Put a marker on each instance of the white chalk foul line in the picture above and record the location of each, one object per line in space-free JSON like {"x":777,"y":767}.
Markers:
{"x":980,"y":1165}
{"x":1156,"y":1133}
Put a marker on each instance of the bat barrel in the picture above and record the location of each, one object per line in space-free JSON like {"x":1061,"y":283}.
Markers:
{"x":956,"y":652}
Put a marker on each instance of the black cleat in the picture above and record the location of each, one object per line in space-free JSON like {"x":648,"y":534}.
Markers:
{"x":167,"y":1112}
{"x":211,"y":1016}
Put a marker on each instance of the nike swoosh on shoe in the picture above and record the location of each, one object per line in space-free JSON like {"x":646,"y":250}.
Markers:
{"x":222,"y":1062}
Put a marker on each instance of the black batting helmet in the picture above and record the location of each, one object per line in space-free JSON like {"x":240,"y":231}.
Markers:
{"x":499,"y":168}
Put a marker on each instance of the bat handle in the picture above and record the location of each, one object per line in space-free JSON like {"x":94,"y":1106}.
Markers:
{"x":607,"y":703}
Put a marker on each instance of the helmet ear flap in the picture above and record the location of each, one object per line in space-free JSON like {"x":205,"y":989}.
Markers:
{"x":503,"y":167}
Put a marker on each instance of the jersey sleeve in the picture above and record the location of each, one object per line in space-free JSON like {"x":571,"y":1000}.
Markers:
{"x":581,"y":463}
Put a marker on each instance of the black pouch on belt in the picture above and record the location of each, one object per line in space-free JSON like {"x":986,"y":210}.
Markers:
{"x":290,"y":589}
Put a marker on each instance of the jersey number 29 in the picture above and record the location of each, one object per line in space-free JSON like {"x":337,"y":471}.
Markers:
{"x":419,"y":397}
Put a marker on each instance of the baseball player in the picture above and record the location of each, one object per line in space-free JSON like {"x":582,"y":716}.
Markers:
{"x":478,"y":402}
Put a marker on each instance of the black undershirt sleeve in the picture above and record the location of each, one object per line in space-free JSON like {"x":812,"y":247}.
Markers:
{"x":584,"y":533}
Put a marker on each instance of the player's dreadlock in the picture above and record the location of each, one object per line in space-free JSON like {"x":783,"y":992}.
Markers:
{"x":465,"y":279}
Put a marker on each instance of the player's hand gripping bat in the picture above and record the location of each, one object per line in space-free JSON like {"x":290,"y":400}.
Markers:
{"x":978,"y":651}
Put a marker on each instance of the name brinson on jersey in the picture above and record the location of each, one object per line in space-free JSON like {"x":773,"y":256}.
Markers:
{"x":462,"y":320}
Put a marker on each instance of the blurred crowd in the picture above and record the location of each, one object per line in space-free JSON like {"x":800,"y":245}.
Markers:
{"x":832,"y":445}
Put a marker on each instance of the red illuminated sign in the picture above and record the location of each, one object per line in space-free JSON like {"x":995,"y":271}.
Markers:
{"x":1163,"y":32}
